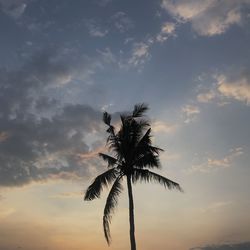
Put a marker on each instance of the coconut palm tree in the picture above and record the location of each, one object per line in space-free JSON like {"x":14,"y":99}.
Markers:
{"x":132,"y":155}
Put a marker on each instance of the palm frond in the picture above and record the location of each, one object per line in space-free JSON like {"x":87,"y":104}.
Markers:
{"x":145,"y":144}
{"x":137,"y":129}
{"x":111,"y":203}
{"x":143,"y":123}
{"x":109,"y":159}
{"x":139,"y":110}
{"x":145,"y":154}
{"x":130,"y":134}
{"x":149,"y":160}
{"x":106,"y":118}
{"x":148,"y":176}
{"x":155,"y":150}
{"x":101,"y":181}
{"x":113,"y":140}
{"x":145,"y":140}
{"x":111,"y":129}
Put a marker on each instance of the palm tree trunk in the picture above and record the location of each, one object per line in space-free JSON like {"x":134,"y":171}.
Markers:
{"x":131,"y":214}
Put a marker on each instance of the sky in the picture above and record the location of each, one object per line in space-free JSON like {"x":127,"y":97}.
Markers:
{"x":63,"y":63}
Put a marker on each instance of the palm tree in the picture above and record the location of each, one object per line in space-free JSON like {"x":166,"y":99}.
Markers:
{"x":133,"y":153}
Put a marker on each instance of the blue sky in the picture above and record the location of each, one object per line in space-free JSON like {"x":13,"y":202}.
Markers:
{"x":64,"y":62}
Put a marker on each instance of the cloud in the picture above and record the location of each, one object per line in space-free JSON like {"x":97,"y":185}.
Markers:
{"x":4,"y":136}
{"x":206,"y":97}
{"x":211,"y":164}
{"x":1,"y":197}
{"x":40,"y":148}
{"x":122,"y":22}
{"x":30,"y":87}
{"x":141,"y":50}
{"x":167,"y":156}
{"x":226,"y":88}
{"x":190,"y":113}
{"x":235,"y":246}
{"x":184,"y":10}
{"x":107,"y":55}
{"x":140,"y":53}
{"x":95,"y":30}
{"x":34,"y":145}
{"x":92,"y":153}
{"x":67,"y":195}
{"x":119,"y":22}
{"x":167,"y":30}
{"x":208,"y":17}
{"x":238,"y":89}
{"x":216,"y":206}
{"x":14,"y":8}
{"x":163,"y":127}
{"x":6,"y":212}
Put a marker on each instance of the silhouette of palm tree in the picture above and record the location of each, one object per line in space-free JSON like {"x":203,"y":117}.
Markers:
{"x":133,"y":152}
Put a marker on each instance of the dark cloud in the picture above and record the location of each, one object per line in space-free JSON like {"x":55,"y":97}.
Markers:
{"x":239,"y":246}
{"x":33,"y":149}
{"x":20,"y":89}
{"x":35,"y":144}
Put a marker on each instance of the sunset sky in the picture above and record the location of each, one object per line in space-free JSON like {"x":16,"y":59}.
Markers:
{"x":64,"y":62}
